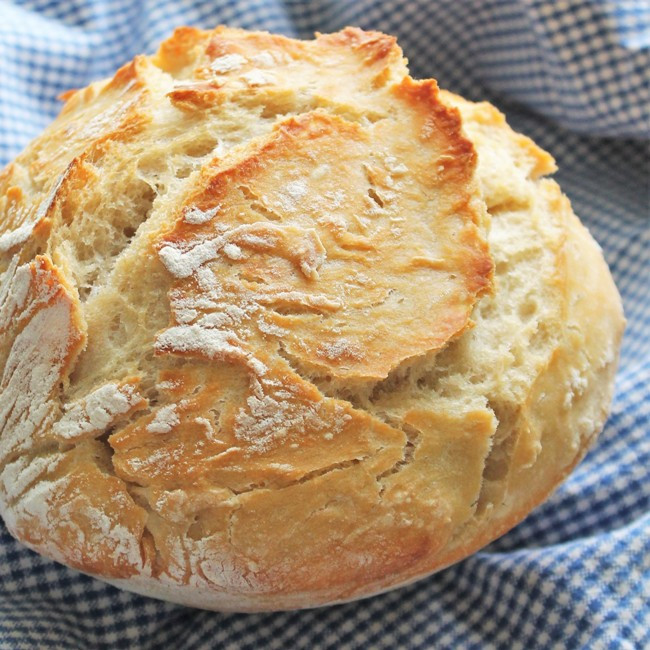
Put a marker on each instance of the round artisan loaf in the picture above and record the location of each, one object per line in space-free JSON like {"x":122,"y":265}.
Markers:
{"x":263,"y":347}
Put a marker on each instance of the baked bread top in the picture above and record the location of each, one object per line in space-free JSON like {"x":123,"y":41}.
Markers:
{"x":257,"y":351}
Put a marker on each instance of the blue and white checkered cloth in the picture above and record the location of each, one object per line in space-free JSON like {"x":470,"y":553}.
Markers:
{"x":574,"y":75}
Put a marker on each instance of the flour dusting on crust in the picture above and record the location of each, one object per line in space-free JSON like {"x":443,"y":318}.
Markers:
{"x":165,"y":419}
{"x":93,"y":414}
{"x":37,"y":358}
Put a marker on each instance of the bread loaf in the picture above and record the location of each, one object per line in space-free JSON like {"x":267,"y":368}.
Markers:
{"x":281,"y":326}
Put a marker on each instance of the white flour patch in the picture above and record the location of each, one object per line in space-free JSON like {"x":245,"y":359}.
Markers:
{"x":233,"y":252}
{"x":211,"y":343}
{"x":16,"y":477}
{"x":165,"y":419}
{"x":31,"y":373}
{"x":195,"y":216}
{"x":256,"y":78}
{"x":94,"y":413}
{"x":182,"y":263}
{"x":228,"y":63}
{"x":264,"y":59}
{"x":343,"y":348}
{"x":12,"y":238}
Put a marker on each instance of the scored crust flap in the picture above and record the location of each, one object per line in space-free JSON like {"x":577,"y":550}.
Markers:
{"x":308,"y":265}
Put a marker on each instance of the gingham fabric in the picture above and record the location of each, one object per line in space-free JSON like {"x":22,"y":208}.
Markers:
{"x":574,"y":75}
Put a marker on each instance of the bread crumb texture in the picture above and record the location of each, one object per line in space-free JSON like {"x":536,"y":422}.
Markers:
{"x":262,"y":347}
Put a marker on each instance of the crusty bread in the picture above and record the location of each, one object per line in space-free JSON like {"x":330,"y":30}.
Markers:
{"x":263,"y":345}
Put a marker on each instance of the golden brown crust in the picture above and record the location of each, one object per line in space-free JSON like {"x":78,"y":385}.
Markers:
{"x":281,"y":259}
{"x":278,"y":366}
